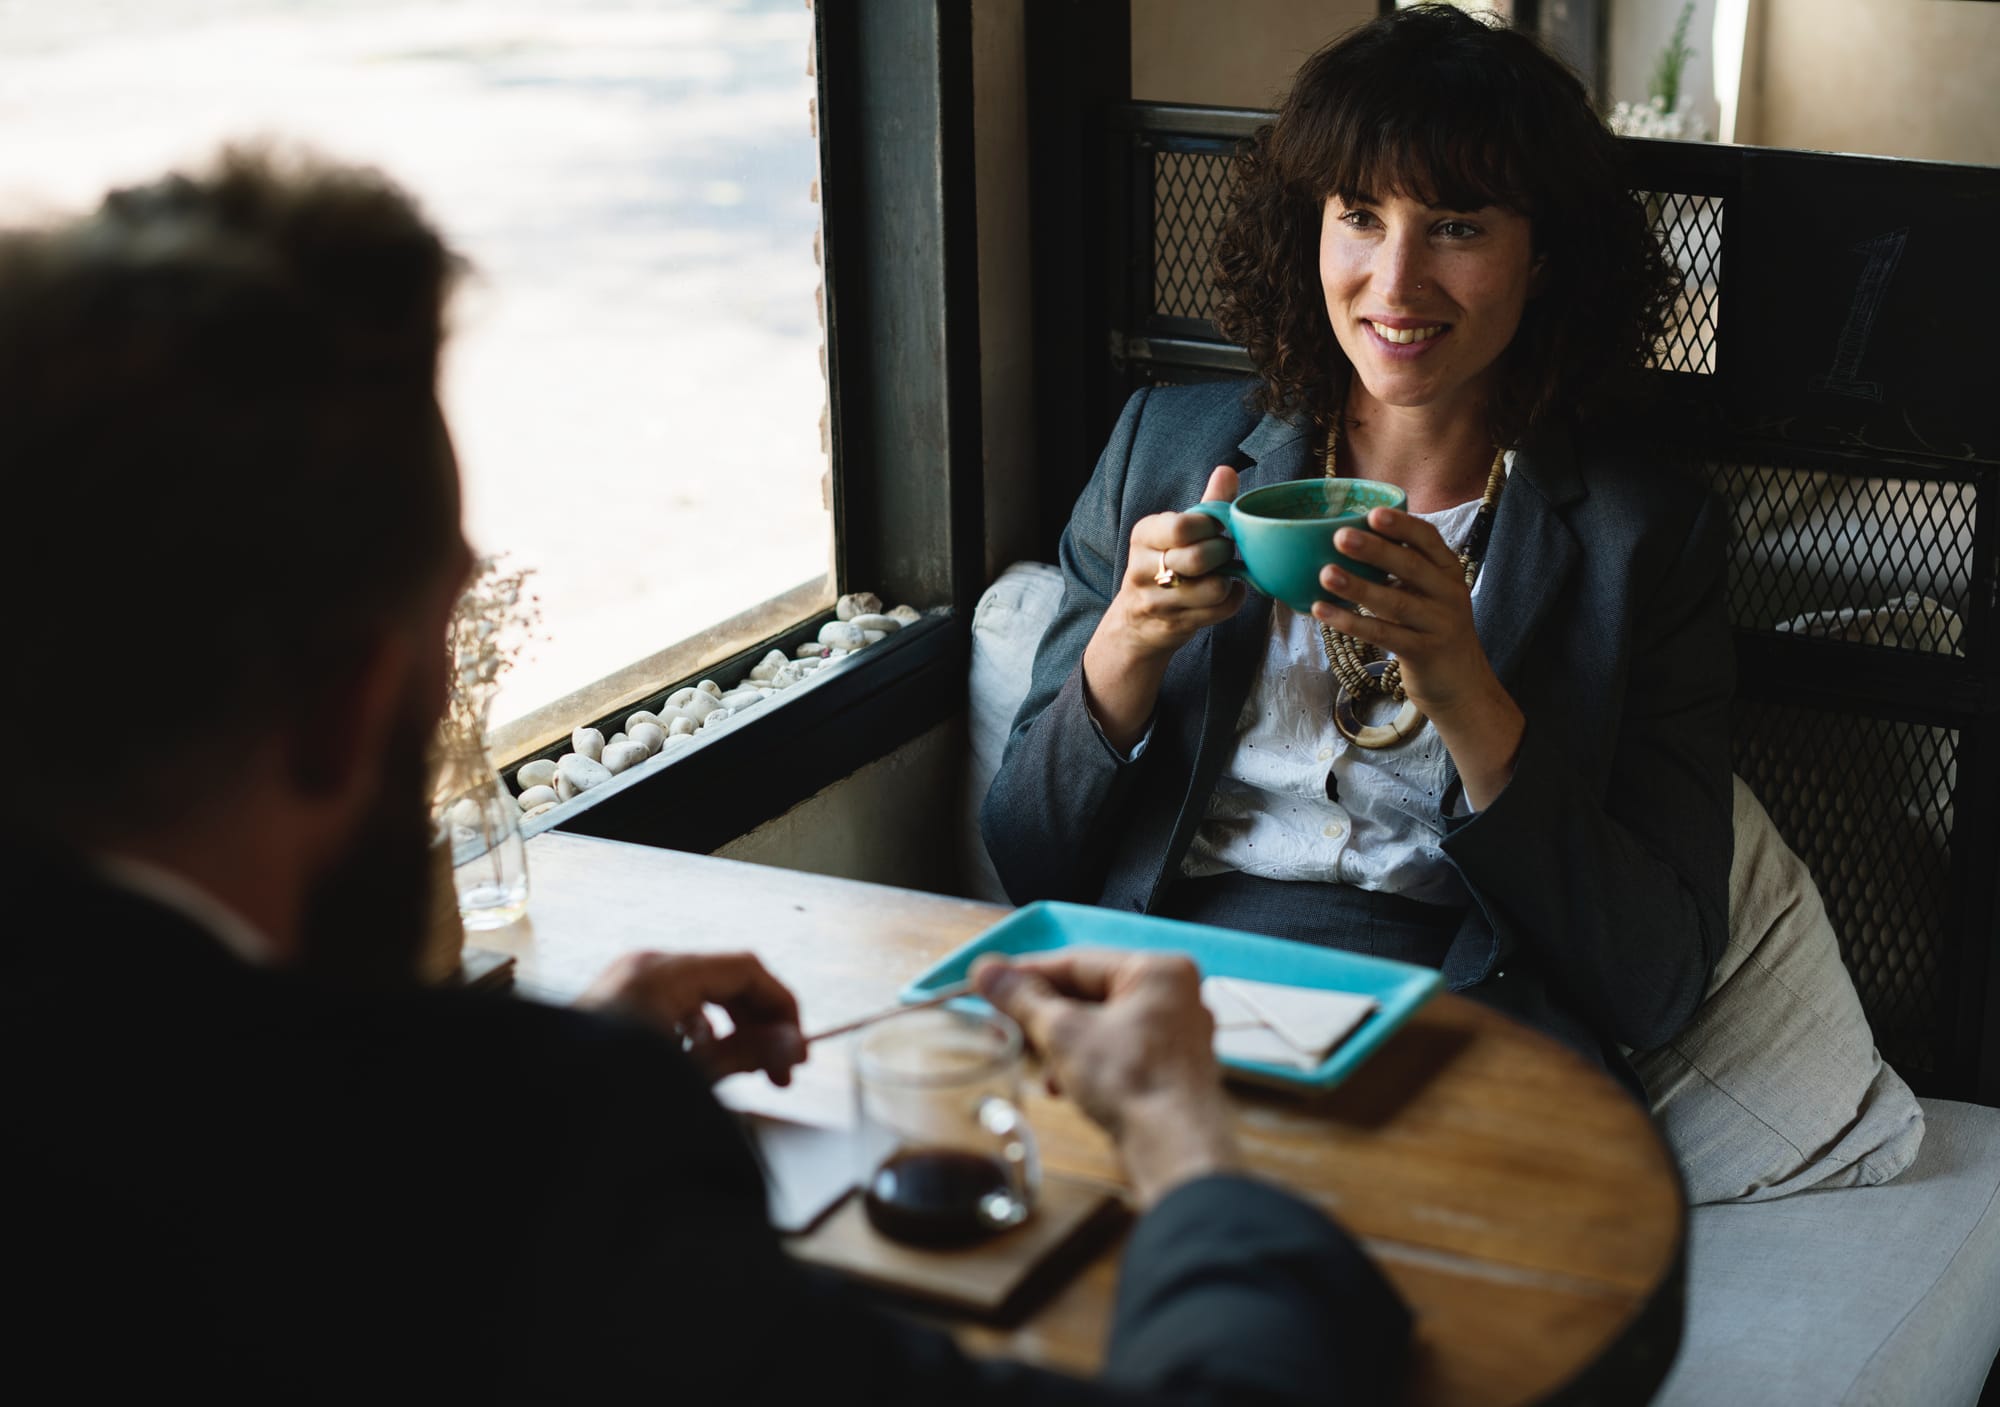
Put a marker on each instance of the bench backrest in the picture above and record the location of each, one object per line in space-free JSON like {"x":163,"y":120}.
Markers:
{"x":1831,"y":372}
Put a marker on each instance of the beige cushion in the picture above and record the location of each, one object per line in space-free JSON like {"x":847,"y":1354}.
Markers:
{"x":1007,"y":626}
{"x":1776,"y":1086}
{"x":1862,"y":1296}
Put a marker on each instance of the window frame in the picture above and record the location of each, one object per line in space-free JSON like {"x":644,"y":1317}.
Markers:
{"x":894,"y":116}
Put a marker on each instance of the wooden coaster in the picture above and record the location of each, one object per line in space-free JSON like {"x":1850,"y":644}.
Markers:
{"x":483,"y":970}
{"x":997,"y":1280}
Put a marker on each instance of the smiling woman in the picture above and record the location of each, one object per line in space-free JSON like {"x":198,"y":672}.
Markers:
{"x":1441,"y":279}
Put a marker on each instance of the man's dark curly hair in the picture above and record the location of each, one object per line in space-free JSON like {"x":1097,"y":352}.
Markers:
{"x":221,"y":443}
{"x":1433,"y":104}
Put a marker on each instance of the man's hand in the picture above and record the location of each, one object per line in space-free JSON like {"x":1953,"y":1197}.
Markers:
{"x":1125,"y":1035}
{"x":670,"y":990}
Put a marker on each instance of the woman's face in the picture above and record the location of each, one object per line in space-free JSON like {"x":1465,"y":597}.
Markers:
{"x":1424,"y":300}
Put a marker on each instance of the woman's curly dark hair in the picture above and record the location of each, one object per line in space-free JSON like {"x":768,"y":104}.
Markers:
{"x":1433,"y":104}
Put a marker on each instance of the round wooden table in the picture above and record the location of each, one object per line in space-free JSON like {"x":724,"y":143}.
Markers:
{"x":1524,"y":1206}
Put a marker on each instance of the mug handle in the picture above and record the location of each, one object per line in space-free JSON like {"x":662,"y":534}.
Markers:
{"x":1219,"y":509}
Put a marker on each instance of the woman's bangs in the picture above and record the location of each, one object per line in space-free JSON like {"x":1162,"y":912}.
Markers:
{"x":1444,"y":159}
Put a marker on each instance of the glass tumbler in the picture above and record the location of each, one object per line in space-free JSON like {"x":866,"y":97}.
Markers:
{"x":940,"y":1091}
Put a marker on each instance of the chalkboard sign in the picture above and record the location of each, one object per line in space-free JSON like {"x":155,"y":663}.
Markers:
{"x":1860,"y":303}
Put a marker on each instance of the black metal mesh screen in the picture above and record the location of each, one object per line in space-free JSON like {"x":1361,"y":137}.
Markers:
{"x":1884,"y":562}
{"x":1867,"y":806}
{"x":1190,"y":196}
{"x":1690,"y":230}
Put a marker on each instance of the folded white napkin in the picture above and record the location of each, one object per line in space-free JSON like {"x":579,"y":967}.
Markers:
{"x":1277,"y":1025}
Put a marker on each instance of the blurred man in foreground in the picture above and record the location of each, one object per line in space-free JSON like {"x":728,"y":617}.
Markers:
{"x":251,"y":1158}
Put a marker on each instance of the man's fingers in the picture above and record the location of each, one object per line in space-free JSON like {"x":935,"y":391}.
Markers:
{"x":771,"y":1048}
{"x":742,"y":986}
{"x":1022,"y":994}
{"x":1221,"y":484}
{"x":1087,"y":974}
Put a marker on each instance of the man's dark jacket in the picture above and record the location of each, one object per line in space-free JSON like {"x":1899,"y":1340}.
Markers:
{"x":230,"y":1184}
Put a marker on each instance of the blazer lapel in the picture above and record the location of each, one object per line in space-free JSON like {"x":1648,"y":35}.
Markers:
{"x":1530,"y":555}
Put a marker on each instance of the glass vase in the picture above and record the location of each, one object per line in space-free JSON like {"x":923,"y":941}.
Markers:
{"x":480,"y":821}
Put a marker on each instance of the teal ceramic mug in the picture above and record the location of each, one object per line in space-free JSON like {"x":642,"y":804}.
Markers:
{"x":1284,"y":534}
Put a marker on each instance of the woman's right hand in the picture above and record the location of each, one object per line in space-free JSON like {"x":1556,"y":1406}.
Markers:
{"x":1147,"y":622}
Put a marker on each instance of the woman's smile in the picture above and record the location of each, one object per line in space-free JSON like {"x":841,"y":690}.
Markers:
{"x":1423,"y":300}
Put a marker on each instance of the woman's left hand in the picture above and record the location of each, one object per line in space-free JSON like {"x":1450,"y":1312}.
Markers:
{"x":1423,"y":616}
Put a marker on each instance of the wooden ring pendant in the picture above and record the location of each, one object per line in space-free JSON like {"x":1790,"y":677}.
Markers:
{"x":1409,"y":720}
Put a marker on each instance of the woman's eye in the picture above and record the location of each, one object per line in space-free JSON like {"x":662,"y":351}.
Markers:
{"x":1458,"y":229}
{"x":1357,"y":219}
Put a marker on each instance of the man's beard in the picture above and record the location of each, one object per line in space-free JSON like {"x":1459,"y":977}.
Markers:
{"x":367,"y":914}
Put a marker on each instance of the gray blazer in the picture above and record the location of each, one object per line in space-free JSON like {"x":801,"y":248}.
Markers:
{"x":1599,"y":876}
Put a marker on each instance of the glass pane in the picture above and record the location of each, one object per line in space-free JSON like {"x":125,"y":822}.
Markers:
{"x":634,"y":377}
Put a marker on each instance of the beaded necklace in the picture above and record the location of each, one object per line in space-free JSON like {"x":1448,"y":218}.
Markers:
{"x":1366,"y":670}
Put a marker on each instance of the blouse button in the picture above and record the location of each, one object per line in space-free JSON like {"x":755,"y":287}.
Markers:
{"x":1335,"y":830}
{"x":1325,"y":753}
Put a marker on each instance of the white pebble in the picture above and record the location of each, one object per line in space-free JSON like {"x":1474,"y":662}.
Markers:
{"x":614,"y":738}
{"x":769,"y":665}
{"x":700,"y":706}
{"x":588,"y":742}
{"x":633,"y":720}
{"x":582,"y":772}
{"x":832,"y":655}
{"x":539,"y":773}
{"x":566,"y":790}
{"x":858,"y":603}
{"x":888,"y":625}
{"x":908,"y":615}
{"x":681,"y":727}
{"x":546,"y":806}
{"x":841,"y":634}
{"x":679,"y":697}
{"x":811,"y":650}
{"x":720,"y":715}
{"x":742,"y":698}
{"x":650,"y":736}
{"x":618,"y":757}
{"x":538,"y":796}
{"x":465,"y":813}
{"x":686,"y":737}
{"x":869,"y":637}
{"x":711,"y":688}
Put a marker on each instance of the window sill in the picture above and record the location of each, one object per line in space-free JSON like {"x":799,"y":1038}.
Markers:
{"x":617,"y":694}
{"x":703,"y":794}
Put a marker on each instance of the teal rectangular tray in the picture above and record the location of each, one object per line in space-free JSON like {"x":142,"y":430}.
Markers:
{"x":1397,"y":987}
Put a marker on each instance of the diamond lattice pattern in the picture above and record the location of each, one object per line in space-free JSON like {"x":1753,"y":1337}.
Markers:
{"x":1885,"y":562}
{"x":1867,"y":805}
{"x":1690,"y":231}
{"x":1190,"y":197}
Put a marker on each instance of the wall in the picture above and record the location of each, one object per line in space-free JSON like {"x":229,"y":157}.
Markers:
{"x":1637,"y":31}
{"x":1239,"y":54}
{"x":1006,"y":328}
{"x":896,"y":821}
{"x":1910,"y":78}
